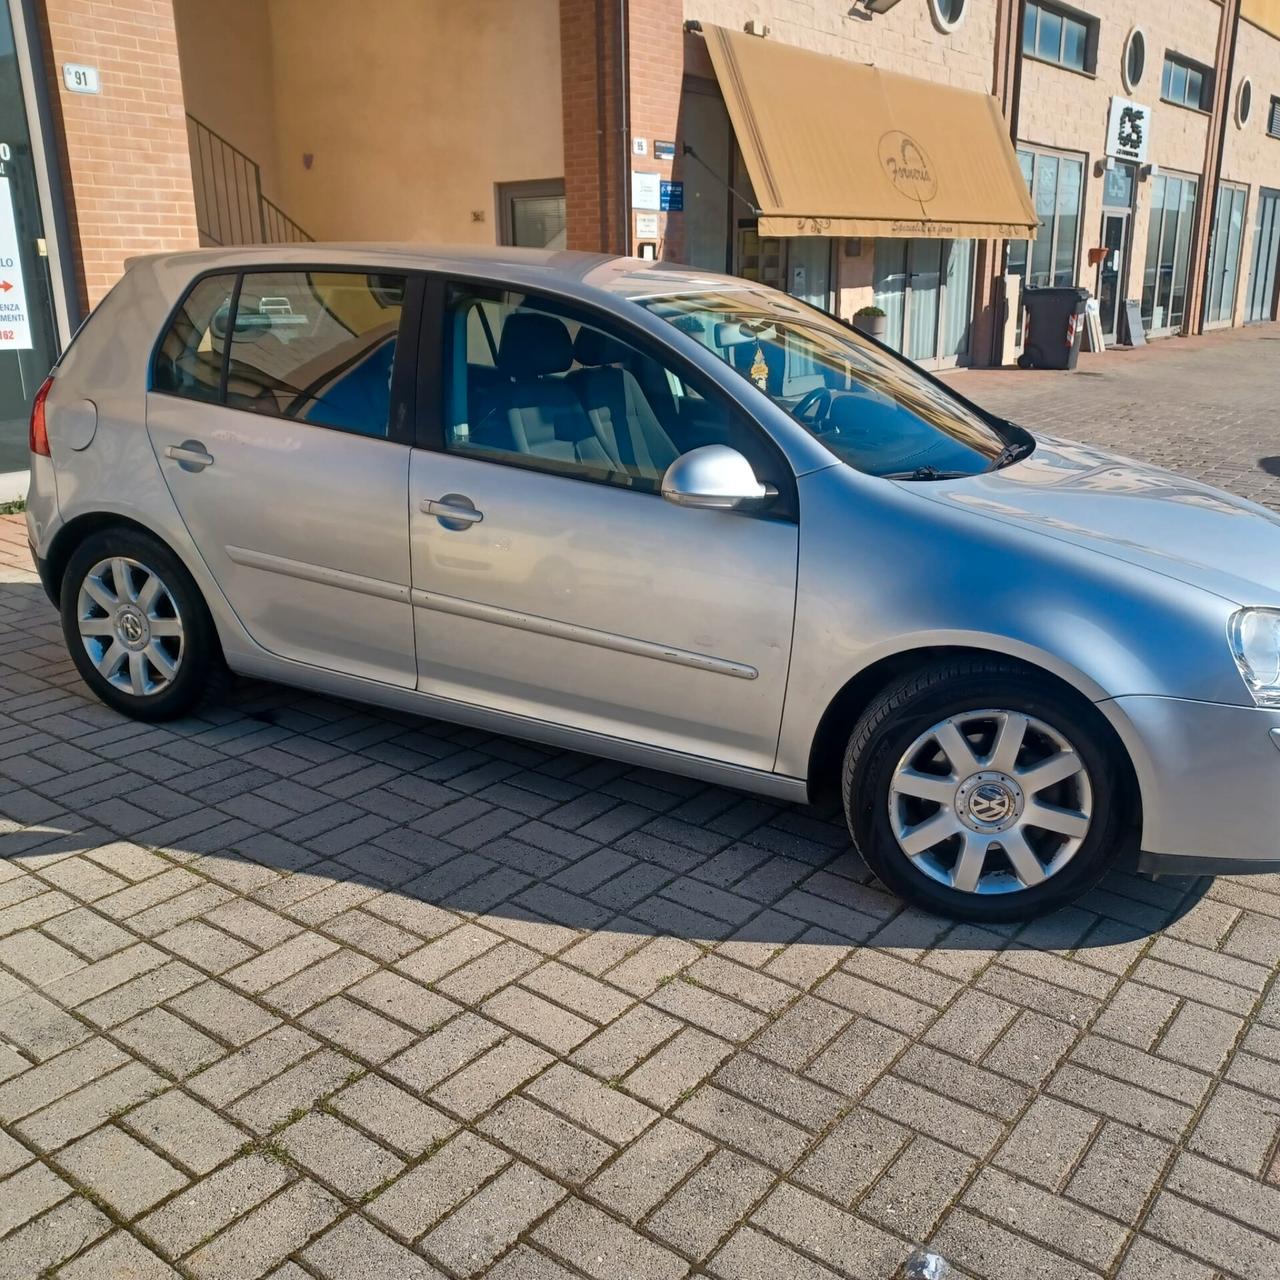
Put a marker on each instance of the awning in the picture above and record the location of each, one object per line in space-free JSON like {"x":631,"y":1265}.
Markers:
{"x":839,"y":149}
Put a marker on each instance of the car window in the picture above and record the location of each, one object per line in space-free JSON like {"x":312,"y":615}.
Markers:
{"x":318,"y":346}
{"x":875,"y":412}
{"x":534,"y":383}
{"x":188,"y":361}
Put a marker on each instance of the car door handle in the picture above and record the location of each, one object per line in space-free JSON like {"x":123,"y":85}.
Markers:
{"x":190,"y":455}
{"x":454,"y":510}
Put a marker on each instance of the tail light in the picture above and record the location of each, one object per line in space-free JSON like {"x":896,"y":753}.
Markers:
{"x":38,"y":435}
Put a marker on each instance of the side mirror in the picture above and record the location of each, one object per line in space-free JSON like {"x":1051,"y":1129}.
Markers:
{"x":715,"y":477}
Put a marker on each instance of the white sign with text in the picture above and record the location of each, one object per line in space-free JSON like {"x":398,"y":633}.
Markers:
{"x":1129,"y":131}
{"x":15,"y":320}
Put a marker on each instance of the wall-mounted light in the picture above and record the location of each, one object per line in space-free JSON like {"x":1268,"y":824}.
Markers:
{"x":878,"y":6}
{"x":1105,"y":165}
{"x":1149,"y":171}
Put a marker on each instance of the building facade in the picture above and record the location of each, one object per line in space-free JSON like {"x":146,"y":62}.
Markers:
{"x":1146,"y":134}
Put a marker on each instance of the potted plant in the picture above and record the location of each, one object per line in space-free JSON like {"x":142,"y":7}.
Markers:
{"x":871,"y":321}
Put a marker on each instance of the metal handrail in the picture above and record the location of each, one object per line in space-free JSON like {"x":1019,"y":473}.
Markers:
{"x":230,"y":205}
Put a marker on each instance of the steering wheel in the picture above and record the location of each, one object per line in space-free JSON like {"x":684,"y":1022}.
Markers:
{"x":814,"y":406}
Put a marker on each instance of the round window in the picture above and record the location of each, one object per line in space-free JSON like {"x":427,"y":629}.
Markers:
{"x":1244,"y":103}
{"x":948,"y":14}
{"x":1135,"y":59}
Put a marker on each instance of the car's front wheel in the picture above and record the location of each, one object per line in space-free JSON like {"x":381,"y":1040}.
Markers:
{"x":137,"y":628}
{"x":980,"y":790}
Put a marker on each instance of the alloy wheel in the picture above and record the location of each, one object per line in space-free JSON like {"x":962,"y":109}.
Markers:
{"x":130,"y":626}
{"x":990,"y":802}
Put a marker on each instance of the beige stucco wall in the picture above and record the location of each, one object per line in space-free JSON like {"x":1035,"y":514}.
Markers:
{"x":1069,"y":111}
{"x":410,"y":110}
{"x":225,"y":52}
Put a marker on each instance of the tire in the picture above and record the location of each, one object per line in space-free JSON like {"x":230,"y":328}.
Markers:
{"x":898,"y":776}
{"x":163,"y":659}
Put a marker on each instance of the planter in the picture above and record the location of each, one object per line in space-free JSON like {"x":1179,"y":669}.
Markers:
{"x":872,"y":326}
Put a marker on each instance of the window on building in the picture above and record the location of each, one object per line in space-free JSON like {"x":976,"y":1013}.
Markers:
{"x":1064,"y":36}
{"x":1186,"y":83}
{"x":948,"y":14}
{"x":1164,"y":287}
{"x":1244,"y":103}
{"x":1056,"y":183}
{"x":1135,"y":59}
{"x":1273,"y":119}
{"x":316,"y":346}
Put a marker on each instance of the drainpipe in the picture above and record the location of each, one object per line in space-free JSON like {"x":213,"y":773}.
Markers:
{"x":602,"y":133}
{"x":1215,"y":149}
{"x":624,"y":125}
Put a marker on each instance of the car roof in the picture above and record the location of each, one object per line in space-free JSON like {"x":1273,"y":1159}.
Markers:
{"x":566,"y":270}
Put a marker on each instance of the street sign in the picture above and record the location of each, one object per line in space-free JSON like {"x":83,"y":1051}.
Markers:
{"x":15,"y":321}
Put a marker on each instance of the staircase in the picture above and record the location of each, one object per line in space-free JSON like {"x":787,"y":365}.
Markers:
{"x":230,"y":206}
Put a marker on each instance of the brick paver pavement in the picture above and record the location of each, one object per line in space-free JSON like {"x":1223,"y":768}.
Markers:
{"x":296,"y":988}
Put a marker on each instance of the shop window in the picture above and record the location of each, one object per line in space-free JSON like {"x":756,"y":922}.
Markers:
{"x":1186,"y":83}
{"x":1056,"y":184}
{"x":1135,"y":59}
{"x":948,"y":14}
{"x":1164,"y":288}
{"x":1066,"y":37}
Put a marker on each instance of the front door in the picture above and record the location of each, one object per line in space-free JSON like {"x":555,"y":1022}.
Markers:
{"x":1113,"y":271}
{"x":550,"y":578}
{"x":1266,"y":259}
{"x":925,"y":289}
{"x":285,"y":464}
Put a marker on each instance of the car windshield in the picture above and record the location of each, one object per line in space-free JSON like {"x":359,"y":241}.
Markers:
{"x":872,"y":410}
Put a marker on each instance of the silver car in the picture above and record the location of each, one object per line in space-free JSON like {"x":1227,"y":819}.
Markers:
{"x":674,"y":518}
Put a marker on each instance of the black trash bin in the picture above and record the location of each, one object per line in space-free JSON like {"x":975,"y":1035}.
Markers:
{"x":1054,"y":327}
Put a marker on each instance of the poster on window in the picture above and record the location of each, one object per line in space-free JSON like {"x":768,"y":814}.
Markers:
{"x":15,"y":321}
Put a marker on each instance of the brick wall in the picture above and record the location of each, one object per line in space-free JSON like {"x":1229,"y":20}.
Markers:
{"x":124,"y":151}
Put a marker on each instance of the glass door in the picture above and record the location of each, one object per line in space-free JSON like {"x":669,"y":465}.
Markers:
{"x":1266,"y":260}
{"x":1164,"y":285}
{"x":1111,"y":271}
{"x":1225,"y":244}
{"x":925,"y":289}
{"x":28,"y":329}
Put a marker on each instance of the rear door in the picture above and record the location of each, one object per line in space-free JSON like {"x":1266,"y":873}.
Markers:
{"x":280,"y":409}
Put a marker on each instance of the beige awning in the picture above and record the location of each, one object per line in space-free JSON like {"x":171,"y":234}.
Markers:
{"x":835,"y":148}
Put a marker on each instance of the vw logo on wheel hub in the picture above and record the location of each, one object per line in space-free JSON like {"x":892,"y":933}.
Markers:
{"x":132,"y":628}
{"x":988,"y":802}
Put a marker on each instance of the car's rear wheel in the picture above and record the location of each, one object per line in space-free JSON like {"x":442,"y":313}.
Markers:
{"x":980,"y":790}
{"x":137,"y":628}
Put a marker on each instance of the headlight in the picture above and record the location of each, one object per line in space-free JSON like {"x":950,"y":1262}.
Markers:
{"x":1255,"y":645}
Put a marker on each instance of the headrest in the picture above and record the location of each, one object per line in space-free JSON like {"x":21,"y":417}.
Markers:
{"x":534,"y":344}
{"x":591,"y":347}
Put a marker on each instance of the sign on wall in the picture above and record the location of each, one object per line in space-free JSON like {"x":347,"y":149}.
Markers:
{"x":15,"y":320}
{"x":80,"y":78}
{"x":646,"y":190}
{"x":1129,"y":131}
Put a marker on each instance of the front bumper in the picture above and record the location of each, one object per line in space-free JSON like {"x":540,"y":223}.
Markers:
{"x":1209,"y":776}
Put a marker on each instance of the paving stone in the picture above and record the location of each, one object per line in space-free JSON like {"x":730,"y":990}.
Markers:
{"x":98,"y":1162}
{"x":677,"y":1068}
{"x":39,"y":1028}
{"x":1145,"y":1259}
{"x":942,"y":1118}
{"x":420,"y":1197}
{"x":259,"y":1061}
{"x":44,"y":1242}
{"x":1207,"y":1235}
{"x":1047,"y":1142}
{"x":472,"y":1237}
{"x":338,"y":1155}
{"x":608,"y":1112}
{"x":750,"y":1255}
{"x":356,"y":1250}
{"x":603,"y":1248}
{"x":522,"y":1263}
{"x":297,"y":1089}
{"x":118,"y":1257}
{"x":496,"y":1073}
{"x":27,"y":1193}
{"x":266,"y":1235}
{"x":649,"y":1168}
{"x":740,"y":1124}
{"x":717,"y":1196}
{"x":537,"y":1019}
{"x":917,"y":1188}
{"x":223,"y":1013}
{"x":423,"y":1065}
{"x":78,"y":1113}
{"x":392,"y":1115}
{"x":852,"y":1156}
{"x":85,"y":931}
{"x":626,"y":1041}
{"x":361,"y":1032}
{"x":1237,"y":1128}
{"x":545,"y":1140}
{"x":187,"y":1131}
{"x":984,"y":1249}
{"x":168,"y":1042}
{"x":399,"y":998}
{"x":208,"y":1205}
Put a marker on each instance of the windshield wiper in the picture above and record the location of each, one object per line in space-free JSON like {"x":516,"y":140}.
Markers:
{"x":925,"y":473}
{"x":1013,"y":452}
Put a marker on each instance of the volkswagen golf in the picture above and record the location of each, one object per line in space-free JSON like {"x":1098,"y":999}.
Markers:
{"x":674,"y":518}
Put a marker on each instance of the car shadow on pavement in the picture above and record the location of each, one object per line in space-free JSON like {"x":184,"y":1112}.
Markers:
{"x":1270,"y":465}
{"x":364,"y":801}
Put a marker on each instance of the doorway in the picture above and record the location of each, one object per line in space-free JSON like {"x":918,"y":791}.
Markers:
{"x":1164,"y":285}
{"x":1225,"y":245}
{"x":798,"y":265}
{"x":925,"y":289}
{"x":1112,"y":272}
{"x":1266,"y":260}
